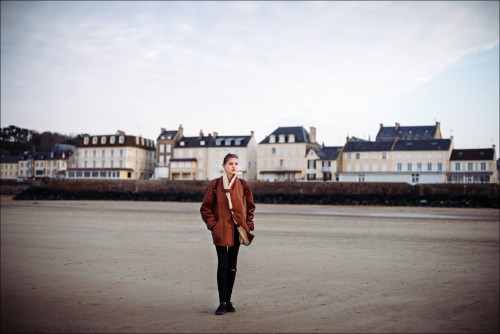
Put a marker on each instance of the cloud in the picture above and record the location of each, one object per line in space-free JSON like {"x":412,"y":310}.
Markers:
{"x":156,"y":60}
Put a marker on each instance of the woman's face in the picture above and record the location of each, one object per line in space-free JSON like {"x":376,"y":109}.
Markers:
{"x":231,"y":167}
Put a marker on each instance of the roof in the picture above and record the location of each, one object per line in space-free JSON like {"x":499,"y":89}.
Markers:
{"x":128,"y":141}
{"x":9,"y":160}
{"x":405,"y":132}
{"x":327,"y":153}
{"x":167,"y":134}
{"x":473,"y":154}
{"x":301,"y":135}
{"x":422,"y":145}
{"x":210,"y":141}
{"x":367,"y":146}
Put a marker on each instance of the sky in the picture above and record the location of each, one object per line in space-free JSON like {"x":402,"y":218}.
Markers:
{"x":343,"y":67}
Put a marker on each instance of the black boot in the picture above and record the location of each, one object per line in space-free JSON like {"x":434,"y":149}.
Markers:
{"x":221,"y":309}
{"x":229,"y":307}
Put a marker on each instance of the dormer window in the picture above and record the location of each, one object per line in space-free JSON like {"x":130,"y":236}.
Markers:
{"x":291,"y":138}
{"x":202,"y":143}
{"x":142,"y":141}
{"x":162,"y":137}
{"x":94,"y":141}
{"x":272,"y":139}
{"x":112,"y":140}
{"x":460,"y":153}
{"x":181,"y":143}
{"x":103,"y":140}
{"x":228,"y":142}
{"x":169,"y":137}
{"x":122,"y":139}
{"x":86,"y":141}
{"x":282,"y":138}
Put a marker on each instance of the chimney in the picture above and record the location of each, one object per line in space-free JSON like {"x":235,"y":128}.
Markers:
{"x":215,"y":134}
{"x":181,"y":131}
{"x":251,"y":133}
{"x":381,"y":125}
{"x":201,"y":134}
{"x":312,"y":135}
{"x":396,"y":127}
{"x":493,"y":147}
{"x":163,"y":130}
{"x":438,"y":126}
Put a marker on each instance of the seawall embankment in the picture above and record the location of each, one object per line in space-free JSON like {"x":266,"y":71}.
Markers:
{"x":323,"y":193}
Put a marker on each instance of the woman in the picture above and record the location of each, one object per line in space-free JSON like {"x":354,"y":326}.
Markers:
{"x":228,"y":201}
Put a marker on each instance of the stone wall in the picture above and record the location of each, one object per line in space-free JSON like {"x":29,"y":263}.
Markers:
{"x":327,"y":193}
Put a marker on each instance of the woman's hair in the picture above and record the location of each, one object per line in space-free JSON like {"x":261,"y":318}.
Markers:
{"x":229,"y":156}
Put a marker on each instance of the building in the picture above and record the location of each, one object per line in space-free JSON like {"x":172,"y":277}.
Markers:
{"x":51,"y":164}
{"x":401,"y":160}
{"x":9,"y":168}
{"x":322,"y":163}
{"x":282,"y":154}
{"x":117,"y":156}
{"x":201,"y":157}
{"x":164,"y":151}
{"x":473,"y":166}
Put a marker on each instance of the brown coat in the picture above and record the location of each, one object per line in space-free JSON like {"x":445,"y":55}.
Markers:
{"x":218,"y":217}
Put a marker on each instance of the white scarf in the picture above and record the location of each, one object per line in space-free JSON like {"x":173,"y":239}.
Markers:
{"x":227,"y":186}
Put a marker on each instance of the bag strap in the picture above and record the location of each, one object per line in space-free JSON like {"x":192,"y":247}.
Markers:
{"x":217,"y":185}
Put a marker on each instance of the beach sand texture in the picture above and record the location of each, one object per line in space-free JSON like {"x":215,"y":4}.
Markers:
{"x":135,"y":267}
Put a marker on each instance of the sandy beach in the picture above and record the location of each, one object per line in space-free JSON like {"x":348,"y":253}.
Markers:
{"x":136,"y":267}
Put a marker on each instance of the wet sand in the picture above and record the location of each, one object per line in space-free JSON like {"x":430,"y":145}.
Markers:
{"x":123,"y":267}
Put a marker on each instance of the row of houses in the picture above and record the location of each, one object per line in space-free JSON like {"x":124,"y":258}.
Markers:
{"x":411,"y":154}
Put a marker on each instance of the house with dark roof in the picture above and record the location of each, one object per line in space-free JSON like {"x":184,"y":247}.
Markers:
{"x":322,"y":163}
{"x":201,"y":157}
{"x":9,"y":167}
{"x":117,"y":156}
{"x":391,"y":133}
{"x":400,"y":160}
{"x":282,"y":154}
{"x":164,"y":151}
{"x":473,"y":166}
{"x":51,"y":164}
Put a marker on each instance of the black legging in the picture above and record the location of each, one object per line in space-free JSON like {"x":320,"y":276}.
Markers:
{"x":226,"y":268}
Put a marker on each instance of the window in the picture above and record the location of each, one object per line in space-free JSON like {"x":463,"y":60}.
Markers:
{"x":86,"y":141}
{"x":202,"y":143}
{"x":282,"y":138}
{"x":112,"y":164}
{"x":94,"y":164}
{"x":483,"y":166}
{"x":103,"y":140}
{"x":103,"y":153}
{"x":415,"y":178}
{"x":384,"y":155}
{"x":112,"y":153}
{"x":470,"y":166}
{"x":440,"y":166}
{"x":169,"y":148}
{"x":103,"y":164}
{"x":361,"y":178}
{"x":282,"y":163}
{"x":102,"y":174}
{"x":409,"y":166}
{"x":272,"y":139}
{"x":182,"y":143}
{"x":85,"y":154}
{"x":419,"y":166}
{"x":400,"y":167}
{"x":121,"y":153}
{"x":311,"y":176}
{"x":358,"y":155}
{"x":291,"y":139}
{"x":112,"y":140}
{"x":94,"y":153}
{"x":348,"y":155}
{"x":429,"y":167}
{"x":457,"y":166}
{"x":122,"y":139}
{"x":311,"y":164}
{"x":273,"y":151}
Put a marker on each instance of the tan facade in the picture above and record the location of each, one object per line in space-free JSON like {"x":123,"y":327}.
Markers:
{"x":473,"y":166}
{"x":201,"y":158}
{"x":9,"y":170}
{"x":282,"y":155}
{"x":112,"y":157}
{"x":164,"y":151}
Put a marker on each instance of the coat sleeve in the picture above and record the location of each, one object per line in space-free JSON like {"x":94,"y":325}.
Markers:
{"x":250,"y":205}
{"x":208,"y":205}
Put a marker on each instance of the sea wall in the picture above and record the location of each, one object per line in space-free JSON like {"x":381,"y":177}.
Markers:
{"x":326,"y":193}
